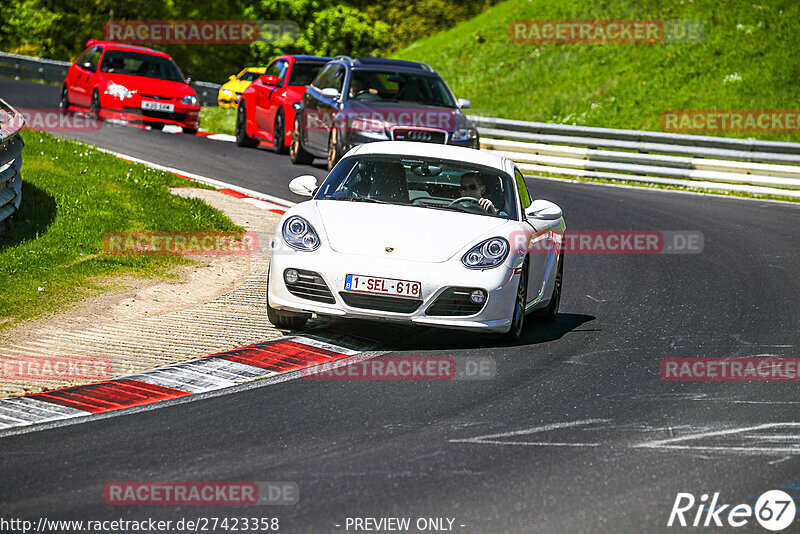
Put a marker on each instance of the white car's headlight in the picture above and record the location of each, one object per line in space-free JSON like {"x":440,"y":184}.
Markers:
{"x":487,"y":254}
{"x":120,"y":91}
{"x":189,"y":100}
{"x":464,"y":134}
{"x":298,"y":233}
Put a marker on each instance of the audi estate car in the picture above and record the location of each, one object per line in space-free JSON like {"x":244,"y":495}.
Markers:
{"x":418,"y":233}
{"x":131,"y":83}
{"x":357,"y":101}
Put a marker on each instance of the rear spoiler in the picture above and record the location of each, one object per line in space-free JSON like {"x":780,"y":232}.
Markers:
{"x":92,"y":42}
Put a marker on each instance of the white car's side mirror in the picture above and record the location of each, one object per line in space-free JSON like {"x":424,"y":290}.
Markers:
{"x":303,"y":185}
{"x":544,"y":209}
{"x":463,"y":103}
{"x":330,"y":92}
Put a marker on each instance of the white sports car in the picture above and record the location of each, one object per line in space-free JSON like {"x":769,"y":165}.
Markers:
{"x":418,"y":233}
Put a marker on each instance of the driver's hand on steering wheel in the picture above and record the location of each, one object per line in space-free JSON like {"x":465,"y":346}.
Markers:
{"x":486,"y":204}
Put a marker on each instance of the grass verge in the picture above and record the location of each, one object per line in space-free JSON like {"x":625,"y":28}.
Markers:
{"x":218,"y":120}
{"x":52,"y":252}
{"x":745,"y":60}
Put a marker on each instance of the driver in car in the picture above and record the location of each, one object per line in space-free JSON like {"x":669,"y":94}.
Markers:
{"x":473,"y":184}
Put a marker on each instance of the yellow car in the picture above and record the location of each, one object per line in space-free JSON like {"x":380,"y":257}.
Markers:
{"x":229,"y":93}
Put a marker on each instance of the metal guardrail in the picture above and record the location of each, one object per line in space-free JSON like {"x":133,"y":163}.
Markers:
{"x":11,"y":122}
{"x":207,"y":92}
{"x":33,"y":67}
{"x":56,"y":71}
{"x":722,"y":163}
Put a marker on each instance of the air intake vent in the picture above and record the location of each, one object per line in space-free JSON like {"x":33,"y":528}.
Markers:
{"x":380,"y":303}
{"x":455,"y":301}
{"x":311,"y":286}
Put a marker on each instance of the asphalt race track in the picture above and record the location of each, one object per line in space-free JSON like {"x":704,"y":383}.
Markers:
{"x":567,"y":437}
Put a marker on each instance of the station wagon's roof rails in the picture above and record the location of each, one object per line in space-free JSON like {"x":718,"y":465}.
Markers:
{"x":394,"y":63}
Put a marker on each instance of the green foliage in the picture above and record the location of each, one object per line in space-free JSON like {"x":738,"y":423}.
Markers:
{"x":59,"y":29}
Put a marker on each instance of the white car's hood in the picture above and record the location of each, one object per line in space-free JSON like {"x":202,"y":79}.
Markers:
{"x":414,"y":233}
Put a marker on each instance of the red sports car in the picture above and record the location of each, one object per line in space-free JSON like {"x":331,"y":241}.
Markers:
{"x":265,"y":107}
{"x":131,"y":83}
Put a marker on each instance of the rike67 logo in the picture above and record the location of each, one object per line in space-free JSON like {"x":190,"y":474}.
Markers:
{"x":774,"y":510}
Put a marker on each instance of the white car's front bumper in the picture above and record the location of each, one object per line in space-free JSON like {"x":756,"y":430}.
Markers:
{"x":500,"y":284}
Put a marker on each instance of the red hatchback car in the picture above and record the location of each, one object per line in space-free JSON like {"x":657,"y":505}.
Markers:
{"x":265,"y":107}
{"x":131,"y":83}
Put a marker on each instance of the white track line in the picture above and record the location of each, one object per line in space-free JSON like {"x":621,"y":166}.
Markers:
{"x":644,"y":187}
{"x":203,"y":179}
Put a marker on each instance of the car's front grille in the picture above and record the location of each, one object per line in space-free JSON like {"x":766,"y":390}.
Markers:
{"x":455,"y":301}
{"x":422,"y":136}
{"x":311,"y":286}
{"x":166,"y":115}
{"x":380,"y":303}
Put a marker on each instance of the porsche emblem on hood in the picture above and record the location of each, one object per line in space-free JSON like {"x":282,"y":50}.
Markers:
{"x":389,"y":249}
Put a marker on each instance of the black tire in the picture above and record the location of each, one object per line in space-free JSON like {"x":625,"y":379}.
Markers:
{"x":549,"y":313}
{"x":518,"y":318}
{"x":63,"y":103}
{"x":190,"y":131}
{"x":282,"y":320}
{"x":242,"y":139}
{"x":297,"y":153}
{"x":94,"y":106}
{"x":279,"y":133}
{"x":334,"y":153}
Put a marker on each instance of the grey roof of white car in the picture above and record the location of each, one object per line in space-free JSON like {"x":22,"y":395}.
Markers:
{"x":434,"y":150}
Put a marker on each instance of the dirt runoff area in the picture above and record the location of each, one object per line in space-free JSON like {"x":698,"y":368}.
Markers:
{"x":217,"y":304}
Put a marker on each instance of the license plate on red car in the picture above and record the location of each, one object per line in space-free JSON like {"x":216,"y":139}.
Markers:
{"x":382,"y":286}
{"x":157,"y":106}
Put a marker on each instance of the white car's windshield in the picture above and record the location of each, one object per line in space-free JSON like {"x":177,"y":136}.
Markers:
{"x":422,"y":182}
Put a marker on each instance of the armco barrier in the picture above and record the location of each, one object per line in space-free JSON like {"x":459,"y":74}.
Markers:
{"x":11,"y":144}
{"x":721,"y":163}
{"x":56,"y":71}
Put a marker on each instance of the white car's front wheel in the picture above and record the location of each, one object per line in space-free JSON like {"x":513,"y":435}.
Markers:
{"x":518,"y":318}
{"x":549,"y":313}
{"x":283,"y":320}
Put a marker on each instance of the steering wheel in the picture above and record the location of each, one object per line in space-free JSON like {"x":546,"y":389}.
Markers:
{"x":465,"y":200}
{"x":471,"y":203}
